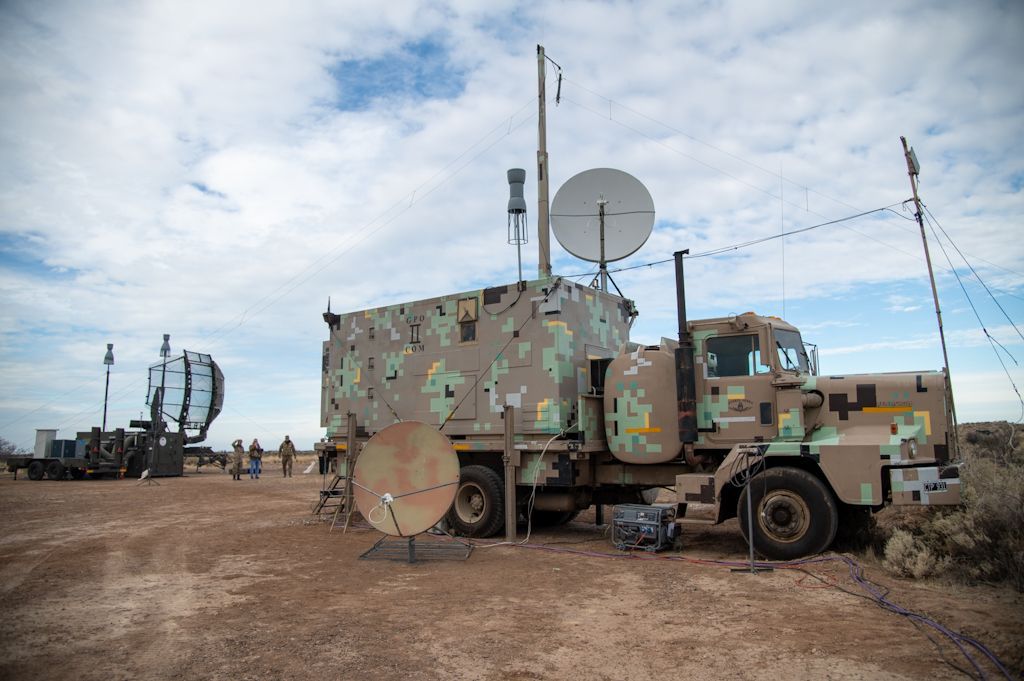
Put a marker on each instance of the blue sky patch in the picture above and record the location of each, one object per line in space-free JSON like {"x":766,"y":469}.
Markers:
{"x":418,"y":70}
{"x":1016,"y":182}
{"x":207,"y":191}
{"x":17,"y":254}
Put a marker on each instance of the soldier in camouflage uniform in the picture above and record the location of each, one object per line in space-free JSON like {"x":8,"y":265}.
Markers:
{"x":236,"y":459}
{"x":287,"y":451}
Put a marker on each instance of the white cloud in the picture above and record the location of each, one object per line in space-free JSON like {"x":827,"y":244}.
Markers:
{"x":193,"y":169}
{"x":899,"y":303}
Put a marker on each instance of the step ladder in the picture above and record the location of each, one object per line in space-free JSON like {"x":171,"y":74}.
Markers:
{"x":337,"y":495}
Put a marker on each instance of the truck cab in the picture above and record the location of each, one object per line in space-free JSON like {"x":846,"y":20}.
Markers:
{"x":749,"y":370}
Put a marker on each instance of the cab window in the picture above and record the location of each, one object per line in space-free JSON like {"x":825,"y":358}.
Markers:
{"x":792,"y":356}
{"x":735,"y":356}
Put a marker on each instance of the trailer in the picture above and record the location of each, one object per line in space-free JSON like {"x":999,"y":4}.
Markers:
{"x":186,"y":391}
{"x":56,"y":459}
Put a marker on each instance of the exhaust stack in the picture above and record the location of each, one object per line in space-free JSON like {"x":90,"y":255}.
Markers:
{"x":686,"y":382}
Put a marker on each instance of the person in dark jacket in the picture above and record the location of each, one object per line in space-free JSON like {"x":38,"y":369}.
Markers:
{"x":255,"y":459}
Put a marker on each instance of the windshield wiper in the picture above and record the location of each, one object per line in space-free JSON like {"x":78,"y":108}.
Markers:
{"x":785,"y":353}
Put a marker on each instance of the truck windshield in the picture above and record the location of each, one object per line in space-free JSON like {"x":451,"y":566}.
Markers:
{"x":792,"y":356}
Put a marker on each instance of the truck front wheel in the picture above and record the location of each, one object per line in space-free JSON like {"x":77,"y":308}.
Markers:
{"x":795,"y":515}
{"x":478,"y":509}
{"x":36,"y":470}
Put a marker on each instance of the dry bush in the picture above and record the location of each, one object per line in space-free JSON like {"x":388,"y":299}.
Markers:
{"x":983,"y":540}
{"x":909,"y":556}
{"x":999,"y":442}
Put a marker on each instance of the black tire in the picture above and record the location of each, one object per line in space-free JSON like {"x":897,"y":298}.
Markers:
{"x":55,"y":470}
{"x":134,"y":462}
{"x":479,"y":506}
{"x":795,"y":515}
{"x":857,"y":529}
{"x":552,"y":518}
{"x":36,"y":470}
{"x":77,"y":473}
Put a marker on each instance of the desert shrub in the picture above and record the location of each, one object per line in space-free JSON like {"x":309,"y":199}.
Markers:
{"x":983,"y":540}
{"x":909,"y":556}
{"x":1000,"y":442}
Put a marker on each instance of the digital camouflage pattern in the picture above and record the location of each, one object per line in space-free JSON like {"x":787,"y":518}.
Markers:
{"x":851,"y":427}
{"x":560,"y":354}
{"x":456,"y":361}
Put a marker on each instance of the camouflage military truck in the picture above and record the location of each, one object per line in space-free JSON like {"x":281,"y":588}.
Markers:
{"x":600,"y":420}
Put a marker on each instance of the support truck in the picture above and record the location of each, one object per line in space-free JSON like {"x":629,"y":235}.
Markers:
{"x":599,"y":419}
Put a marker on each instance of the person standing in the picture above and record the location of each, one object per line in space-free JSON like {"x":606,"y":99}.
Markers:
{"x":287,"y":451}
{"x":236,"y":459}
{"x":255,"y":459}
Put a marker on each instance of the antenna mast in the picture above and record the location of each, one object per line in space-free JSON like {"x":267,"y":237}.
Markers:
{"x":543,"y":230}
{"x":913,"y":169}
{"x":517,"y":232}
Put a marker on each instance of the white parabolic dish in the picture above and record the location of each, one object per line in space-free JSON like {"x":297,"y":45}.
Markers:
{"x":628,"y":211}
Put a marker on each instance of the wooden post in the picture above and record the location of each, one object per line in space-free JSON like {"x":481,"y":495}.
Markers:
{"x":543,"y":228}
{"x":350,"y":463}
{"x":511,"y":461}
{"x":912,"y":171}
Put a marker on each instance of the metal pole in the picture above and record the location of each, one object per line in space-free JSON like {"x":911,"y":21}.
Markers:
{"x":106,"y":392}
{"x":750,"y":514}
{"x":543,"y":228}
{"x":108,"y":359}
{"x":157,"y":428}
{"x":912,"y":171}
{"x":604,"y":266}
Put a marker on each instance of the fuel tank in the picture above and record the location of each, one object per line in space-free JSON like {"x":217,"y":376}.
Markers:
{"x":641,"y":423}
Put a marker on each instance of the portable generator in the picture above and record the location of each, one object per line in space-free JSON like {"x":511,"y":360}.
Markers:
{"x":648,"y":528}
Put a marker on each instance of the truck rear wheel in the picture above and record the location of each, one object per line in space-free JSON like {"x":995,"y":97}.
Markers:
{"x":478,"y":509}
{"x":795,"y":515}
{"x":55,"y":470}
{"x":134,"y":462}
{"x":36,"y":470}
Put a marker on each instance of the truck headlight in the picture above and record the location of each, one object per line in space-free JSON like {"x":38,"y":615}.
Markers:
{"x":912,"y":448}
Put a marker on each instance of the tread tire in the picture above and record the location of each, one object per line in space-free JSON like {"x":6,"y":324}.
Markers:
{"x":36,"y":469}
{"x":55,"y":470}
{"x":795,"y":514}
{"x":479,"y":506}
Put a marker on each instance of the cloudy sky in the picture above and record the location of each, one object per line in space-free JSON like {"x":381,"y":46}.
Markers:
{"x":216,"y":170}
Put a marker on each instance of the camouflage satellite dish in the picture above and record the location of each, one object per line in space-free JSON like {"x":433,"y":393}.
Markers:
{"x":405,"y":478}
{"x":621,"y":199}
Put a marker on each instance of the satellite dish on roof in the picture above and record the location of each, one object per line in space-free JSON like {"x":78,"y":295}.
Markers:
{"x":602,"y":215}
{"x":405,"y":478}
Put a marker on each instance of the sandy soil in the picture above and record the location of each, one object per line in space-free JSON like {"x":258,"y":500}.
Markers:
{"x":203,"y":577}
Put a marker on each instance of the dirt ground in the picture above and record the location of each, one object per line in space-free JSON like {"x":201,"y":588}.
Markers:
{"x":203,"y":577}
